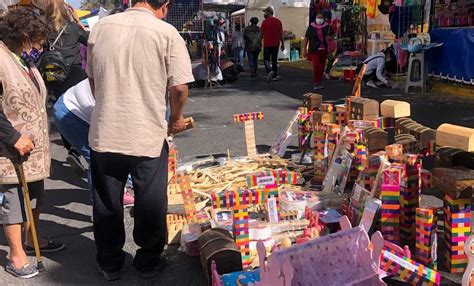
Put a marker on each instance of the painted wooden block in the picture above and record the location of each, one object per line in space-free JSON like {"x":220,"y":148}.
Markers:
{"x":455,"y":136}
{"x":364,"y":109}
{"x":248,"y":119}
{"x":395,"y":108}
{"x":375,"y":138}
{"x":312,"y":101}
{"x":468,"y":277}
{"x":320,"y":117}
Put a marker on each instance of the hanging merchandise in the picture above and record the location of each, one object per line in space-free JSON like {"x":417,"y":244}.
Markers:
{"x":372,"y":7}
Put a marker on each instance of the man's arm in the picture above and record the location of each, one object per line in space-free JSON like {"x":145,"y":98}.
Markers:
{"x":282,"y":38}
{"x":178,"y":96}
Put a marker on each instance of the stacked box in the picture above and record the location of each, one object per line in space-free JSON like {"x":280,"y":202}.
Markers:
{"x":332,"y":138}
{"x":426,"y":237}
{"x":457,"y":224}
{"x":390,"y":215}
{"x":361,"y":156}
{"x":409,"y":197}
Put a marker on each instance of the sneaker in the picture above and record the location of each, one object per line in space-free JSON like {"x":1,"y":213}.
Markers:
{"x":128,"y":199}
{"x":109,"y":276}
{"x":270,"y":76}
{"x":326,"y":76}
{"x":277,"y":78}
{"x":371,"y":84}
{"x":27,"y":271}
{"x":318,"y":87}
{"x":74,"y":160}
{"x":51,"y":247}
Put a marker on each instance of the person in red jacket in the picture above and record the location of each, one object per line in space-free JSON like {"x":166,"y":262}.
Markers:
{"x":272,"y":32}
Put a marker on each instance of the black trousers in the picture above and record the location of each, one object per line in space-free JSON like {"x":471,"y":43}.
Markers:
{"x":150,"y":180}
{"x":271,"y":53}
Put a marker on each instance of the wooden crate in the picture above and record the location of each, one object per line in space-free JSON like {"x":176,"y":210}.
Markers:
{"x":375,"y":139}
{"x":364,"y":109}
{"x":455,"y":136}
{"x":395,"y":108}
{"x":400,"y":123}
{"x":457,"y":182}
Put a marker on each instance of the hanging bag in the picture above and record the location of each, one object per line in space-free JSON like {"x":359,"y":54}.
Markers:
{"x":52,"y":65}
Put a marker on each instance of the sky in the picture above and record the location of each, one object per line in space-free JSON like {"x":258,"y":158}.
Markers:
{"x":74,"y":3}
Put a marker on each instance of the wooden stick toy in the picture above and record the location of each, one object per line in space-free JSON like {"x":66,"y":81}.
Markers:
{"x":248,"y":119}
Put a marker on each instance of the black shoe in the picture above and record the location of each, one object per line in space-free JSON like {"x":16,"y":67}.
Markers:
{"x":150,"y":272}
{"x":109,"y":276}
{"x":74,"y":160}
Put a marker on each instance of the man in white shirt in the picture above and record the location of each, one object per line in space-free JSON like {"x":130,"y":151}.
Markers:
{"x":134,"y":59}
{"x":374,"y":72}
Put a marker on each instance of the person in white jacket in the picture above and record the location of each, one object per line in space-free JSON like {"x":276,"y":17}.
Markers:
{"x":374,"y":74}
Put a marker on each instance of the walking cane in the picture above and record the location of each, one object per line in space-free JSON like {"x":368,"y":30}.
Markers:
{"x":22,"y":179}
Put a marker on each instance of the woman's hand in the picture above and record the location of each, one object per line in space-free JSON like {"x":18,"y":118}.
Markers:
{"x":24,"y":145}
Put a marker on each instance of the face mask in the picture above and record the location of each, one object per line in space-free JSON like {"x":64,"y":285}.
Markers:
{"x":319,"y":21}
{"x":34,"y":54}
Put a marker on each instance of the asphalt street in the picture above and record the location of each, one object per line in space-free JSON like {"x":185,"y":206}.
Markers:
{"x":67,"y":210}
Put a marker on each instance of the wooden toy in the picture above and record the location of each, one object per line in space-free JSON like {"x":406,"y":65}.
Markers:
{"x":376,"y":139}
{"x":426,"y":237}
{"x":327,"y":107}
{"x":408,"y":270}
{"x":319,"y":137}
{"x":189,"y":203}
{"x":328,"y":260}
{"x":394,"y":151}
{"x":457,"y":223}
{"x":320,"y":117}
{"x":363,"y":124}
{"x":188,"y":125}
{"x":217,"y":245}
{"x":304,"y":126}
{"x":454,"y":181}
{"x":312,"y":101}
{"x":390,"y":214}
{"x":467,"y":278}
{"x":400,"y":125}
{"x":248,"y":119}
{"x":444,"y":157}
{"x":279,"y":147}
{"x":455,"y":136}
{"x":395,"y":109}
{"x":364,"y":109}
{"x":356,"y":89}
{"x":175,"y":223}
{"x":239,"y":201}
{"x":409,"y":194}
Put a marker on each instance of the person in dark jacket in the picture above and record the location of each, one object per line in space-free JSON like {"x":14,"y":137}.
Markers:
{"x":317,"y":48}
{"x":253,"y":44}
{"x":69,"y":45}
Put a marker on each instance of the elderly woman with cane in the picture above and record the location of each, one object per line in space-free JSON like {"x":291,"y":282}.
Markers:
{"x":24,"y":138}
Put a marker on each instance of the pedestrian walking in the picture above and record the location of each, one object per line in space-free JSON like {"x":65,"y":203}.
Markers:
{"x":317,"y":48}
{"x":253,"y":44}
{"x":272,"y":31}
{"x":238,"y":46}
{"x":24,"y":131}
{"x":134,"y":57}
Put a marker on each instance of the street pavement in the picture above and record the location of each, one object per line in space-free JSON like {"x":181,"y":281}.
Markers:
{"x":67,"y":210}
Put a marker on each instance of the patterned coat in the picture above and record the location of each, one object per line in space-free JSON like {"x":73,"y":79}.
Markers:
{"x":25,"y":108}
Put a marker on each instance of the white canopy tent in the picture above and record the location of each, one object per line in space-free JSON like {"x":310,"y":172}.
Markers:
{"x":294,"y":14}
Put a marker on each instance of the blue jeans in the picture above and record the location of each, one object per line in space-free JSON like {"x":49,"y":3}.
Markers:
{"x":76,"y":131}
{"x":253,"y":60}
{"x":239,"y":56}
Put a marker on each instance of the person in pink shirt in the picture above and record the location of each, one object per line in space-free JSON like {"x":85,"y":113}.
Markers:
{"x":317,"y":48}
